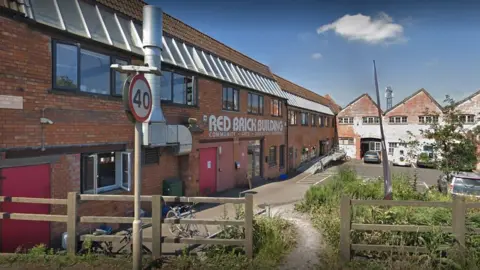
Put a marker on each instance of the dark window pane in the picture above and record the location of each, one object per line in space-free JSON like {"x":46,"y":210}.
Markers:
{"x":179,"y":89}
{"x":106,"y":170}
{"x":235,"y":99}
{"x":225,"y":98}
{"x":229,"y":98}
{"x":166,"y":86}
{"x":189,"y":84}
{"x":279,"y":108}
{"x":249,"y":108}
{"x":120,"y":78}
{"x":125,"y":170}
{"x":255,"y":104}
{"x":88,"y":173}
{"x":66,"y":66}
{"x":261,"y":105}
{"x":94,"y":73}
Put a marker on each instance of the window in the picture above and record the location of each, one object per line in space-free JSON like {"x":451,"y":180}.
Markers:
{"x":397,"y":120}
{"x":428,"y":119}
{"x":178,"y":88}
{"x":345,"y":120}
{"x":78,"y":69}
{"x":230,"y":99}
{"x":276,"y":107}
{"x":371,"y":120}
{"x":375,"y":146}
{"x":255,"y":104}
{"x":345,"y":141}
{"x":304,"y":118}
{"x":272,"y":156}
{"x":292,"y":116}
{"x":327,"y":121}
{"x":321,"y":121}
{"x":467,"y":118}
{"x":102,"y":172}
{"x":282,"y":156}
{"x":313,"y":117}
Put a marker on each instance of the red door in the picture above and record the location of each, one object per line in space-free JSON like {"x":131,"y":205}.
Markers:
{"x":28,"y":181}
{"x":208,"y":170}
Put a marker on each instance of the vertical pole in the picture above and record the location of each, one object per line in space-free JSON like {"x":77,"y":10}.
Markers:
{"x":345,"y":227}
{"x":249,"y":225}
{"x":137,"y":222}
{"x":157,"y":207}
{"x":458,"y":222}
{"x":72,"y":240}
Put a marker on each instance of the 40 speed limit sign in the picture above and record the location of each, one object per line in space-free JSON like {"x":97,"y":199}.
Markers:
{"x":137,"y":98}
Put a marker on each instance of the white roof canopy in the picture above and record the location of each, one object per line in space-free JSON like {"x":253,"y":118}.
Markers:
{"x":95,"y":22}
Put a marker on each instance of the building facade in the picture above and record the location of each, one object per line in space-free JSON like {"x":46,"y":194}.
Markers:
{"x":64,"y":129}
{"x":358,"y":122}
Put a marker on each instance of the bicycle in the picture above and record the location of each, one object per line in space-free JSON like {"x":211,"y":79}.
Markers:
{"x":185,"y":230}
{"x":106,"y":247}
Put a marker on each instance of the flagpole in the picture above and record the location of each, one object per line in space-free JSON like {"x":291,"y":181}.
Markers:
{"x":387,"y":181}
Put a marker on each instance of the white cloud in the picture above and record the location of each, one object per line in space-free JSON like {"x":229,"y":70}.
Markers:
{"x":317,"y":56}
{"x":359,"y":27}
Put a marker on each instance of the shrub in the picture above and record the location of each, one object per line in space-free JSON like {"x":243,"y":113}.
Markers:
{"x":323,"y":201}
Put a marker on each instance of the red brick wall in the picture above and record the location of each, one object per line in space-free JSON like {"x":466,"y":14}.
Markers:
{"x":414,"y":107}
{"x":308,"y":136}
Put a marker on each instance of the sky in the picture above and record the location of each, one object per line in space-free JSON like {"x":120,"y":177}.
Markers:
{"x":329,"y":46}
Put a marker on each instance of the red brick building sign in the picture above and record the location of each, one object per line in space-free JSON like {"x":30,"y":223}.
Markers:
{"x":224,"y":126}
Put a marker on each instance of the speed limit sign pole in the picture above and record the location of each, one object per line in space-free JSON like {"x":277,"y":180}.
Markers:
{"x":140,"y":107}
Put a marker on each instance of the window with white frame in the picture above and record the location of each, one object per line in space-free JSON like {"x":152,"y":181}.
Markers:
{"x":467,"y":118}
{"x":398,"y":119}
{"x":345,"y":141}
{"x":428,"y":119}
{"x":371,"y":120}
{"x":345,"y":120}
{"x":102,"y":172}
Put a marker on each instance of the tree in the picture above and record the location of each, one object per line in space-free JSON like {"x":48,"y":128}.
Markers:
{"x":454,"y":146}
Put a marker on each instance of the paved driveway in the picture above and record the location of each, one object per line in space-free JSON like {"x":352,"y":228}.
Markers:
{"x":427,"y":176}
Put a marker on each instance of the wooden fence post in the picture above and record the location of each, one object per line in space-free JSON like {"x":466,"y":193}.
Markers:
{"x":345,"y":227}
{"x":458,"y":219}
{"x":249,"y":225}
{"x":72,"y":221}
{"x":157,"y":226}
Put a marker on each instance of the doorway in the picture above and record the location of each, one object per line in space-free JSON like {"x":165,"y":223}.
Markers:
{"x":254,"y":170}
{"x":208,"y":171}
{"x":369,"y":144}
{"x":322,"y":148}
{"x":31,"y":182}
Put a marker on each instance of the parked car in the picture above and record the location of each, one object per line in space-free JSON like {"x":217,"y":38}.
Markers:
{"x":464,"y":183}
{"x":400,"y":157}
{"x":426,"y":158}
{"x":372,"y":157}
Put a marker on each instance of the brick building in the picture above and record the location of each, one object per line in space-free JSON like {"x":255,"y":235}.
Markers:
{"x":311,"y":127}
{"x":63,"y":127}
{"x":358,"y":122}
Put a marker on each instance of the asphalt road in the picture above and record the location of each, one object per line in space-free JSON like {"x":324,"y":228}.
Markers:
{"x":425,"y":175}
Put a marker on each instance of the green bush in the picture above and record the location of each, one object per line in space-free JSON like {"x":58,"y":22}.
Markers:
{"x":323,"y":201}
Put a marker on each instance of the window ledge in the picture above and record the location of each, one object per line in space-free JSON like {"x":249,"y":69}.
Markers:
{"x":398,"y":124}
{"x":114,"y":191}
{"x":75,"y":93}
{"x":230,"y":111}
{"x":257,"y":114}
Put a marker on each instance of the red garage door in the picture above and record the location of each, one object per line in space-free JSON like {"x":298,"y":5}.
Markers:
{"x":28,"y":181}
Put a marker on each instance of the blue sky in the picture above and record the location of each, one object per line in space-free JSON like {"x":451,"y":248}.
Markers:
{"x":429,"y":44}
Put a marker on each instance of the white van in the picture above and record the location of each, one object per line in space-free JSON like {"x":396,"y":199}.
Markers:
{"x":400,"y":157}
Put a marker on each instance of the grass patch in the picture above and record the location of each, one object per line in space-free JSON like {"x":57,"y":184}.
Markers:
{"x":322,"y":203}
{"x":273,"y":239}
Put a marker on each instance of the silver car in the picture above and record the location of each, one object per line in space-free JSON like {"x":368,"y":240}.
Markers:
{"x":465,"y":183}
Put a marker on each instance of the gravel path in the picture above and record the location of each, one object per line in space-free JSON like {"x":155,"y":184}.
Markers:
{"x":309,"y":240}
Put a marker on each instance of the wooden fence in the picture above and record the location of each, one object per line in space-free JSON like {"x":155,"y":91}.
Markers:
{"x":72,"y":219}
{"x":458,"y":227}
